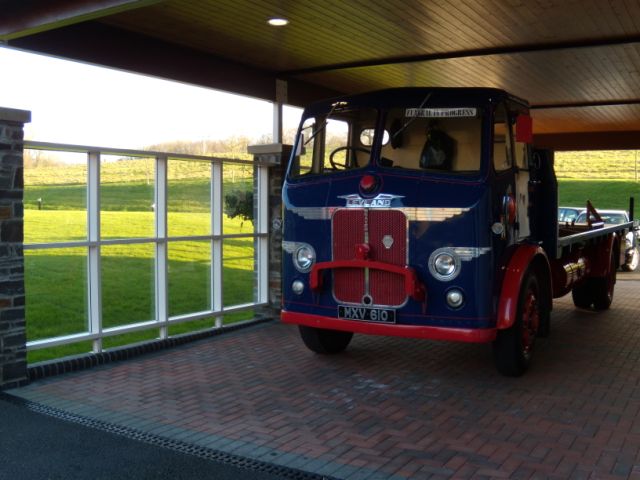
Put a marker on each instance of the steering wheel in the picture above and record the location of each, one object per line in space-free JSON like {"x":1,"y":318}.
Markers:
{"x":343,"y":166}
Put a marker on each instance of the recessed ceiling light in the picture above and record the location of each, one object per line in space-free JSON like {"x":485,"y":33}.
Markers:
{"x":278,"y":22}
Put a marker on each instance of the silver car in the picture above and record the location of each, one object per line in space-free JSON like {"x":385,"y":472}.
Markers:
{"x":632,"y":238}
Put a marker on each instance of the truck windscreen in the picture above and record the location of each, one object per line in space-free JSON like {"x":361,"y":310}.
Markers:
{"x":340,"y":140}
{"x":441,"y":140}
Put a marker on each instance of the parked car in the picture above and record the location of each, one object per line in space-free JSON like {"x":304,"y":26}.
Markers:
{"x":632,"y":239}
{"x":568,"y":214}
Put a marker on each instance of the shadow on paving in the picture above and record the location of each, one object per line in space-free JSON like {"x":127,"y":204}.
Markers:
{"x":36,"y":446}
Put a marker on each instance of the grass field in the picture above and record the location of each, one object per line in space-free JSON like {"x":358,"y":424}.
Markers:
{"x":56,"y":279}
{"x":605,"y":164}
{"x":604,"y":194}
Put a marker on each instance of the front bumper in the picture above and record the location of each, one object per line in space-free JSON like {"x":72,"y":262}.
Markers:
{"x":469,"y":335}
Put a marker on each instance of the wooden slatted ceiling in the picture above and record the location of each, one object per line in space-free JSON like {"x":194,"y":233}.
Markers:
{"x":335,"y":31}
{"x":603,"y":74}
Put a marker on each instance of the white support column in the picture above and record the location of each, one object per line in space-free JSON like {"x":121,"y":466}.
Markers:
{"x":277,"y":122}
{"x":281,"y":99}
{"x":262,"y":234}
{"x":93,"y":267}
{"x":161,"y":281}
{"x":216,"y":243}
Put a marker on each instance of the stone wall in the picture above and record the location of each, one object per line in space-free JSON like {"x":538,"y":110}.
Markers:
{"x":276,"y":155}
{"x":13,"y":351}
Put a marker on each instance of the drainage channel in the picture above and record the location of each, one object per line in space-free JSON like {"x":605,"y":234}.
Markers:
{"x":174,"y":445}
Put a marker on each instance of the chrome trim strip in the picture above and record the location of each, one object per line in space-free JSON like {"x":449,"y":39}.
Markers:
{"x":415,"y":214}
{"x":469,"y":253}
{"x":431,"y":214}
{"x":291,"y":247}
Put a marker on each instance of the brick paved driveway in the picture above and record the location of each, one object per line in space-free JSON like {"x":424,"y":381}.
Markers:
{"x":389,"y":408}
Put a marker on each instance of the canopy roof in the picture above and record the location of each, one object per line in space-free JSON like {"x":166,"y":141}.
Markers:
{"x":577,"y":63}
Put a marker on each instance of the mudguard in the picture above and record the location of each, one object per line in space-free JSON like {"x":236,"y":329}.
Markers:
{"x":512,"y":281}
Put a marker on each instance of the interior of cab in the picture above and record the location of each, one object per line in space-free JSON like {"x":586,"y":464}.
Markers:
{"x":444,"y":144}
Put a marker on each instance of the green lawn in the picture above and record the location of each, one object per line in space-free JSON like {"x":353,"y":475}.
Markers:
{"x":604,"y":194}
{"x":56,"y":279}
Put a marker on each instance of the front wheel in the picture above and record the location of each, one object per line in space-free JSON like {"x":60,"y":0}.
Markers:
{"x":513,"y":346}
{"x":320,"y":340}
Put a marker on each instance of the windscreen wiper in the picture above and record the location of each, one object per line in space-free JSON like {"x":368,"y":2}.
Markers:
{"x":412,"y":119}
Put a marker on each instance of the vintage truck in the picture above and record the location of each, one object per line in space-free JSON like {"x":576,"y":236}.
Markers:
{"x":427,"y":213}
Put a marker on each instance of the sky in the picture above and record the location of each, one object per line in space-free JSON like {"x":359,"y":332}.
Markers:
{"x":82,"y":104}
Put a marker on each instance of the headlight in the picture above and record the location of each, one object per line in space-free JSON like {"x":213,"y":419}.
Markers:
{"x":444,"y":264}
{"x":304,"y":257}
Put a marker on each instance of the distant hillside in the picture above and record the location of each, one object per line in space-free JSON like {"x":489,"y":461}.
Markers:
{"x":606,"y":164}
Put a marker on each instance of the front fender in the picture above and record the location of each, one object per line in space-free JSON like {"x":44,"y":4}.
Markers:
{"x":512,"y":280}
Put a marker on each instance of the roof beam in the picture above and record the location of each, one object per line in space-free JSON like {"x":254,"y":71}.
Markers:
{"x":599,"y":103}
{"x":26,"y":17}
{"x":479,"y":52}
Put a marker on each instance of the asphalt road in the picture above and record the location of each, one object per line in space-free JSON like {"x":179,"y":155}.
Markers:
{"x":36,"y":446}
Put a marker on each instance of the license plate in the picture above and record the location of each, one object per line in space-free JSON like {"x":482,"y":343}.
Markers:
{"x":367,"y":314}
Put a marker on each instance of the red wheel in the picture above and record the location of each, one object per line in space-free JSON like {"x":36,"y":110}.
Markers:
{"x":513,"y":347}
{"x":530,"y":321}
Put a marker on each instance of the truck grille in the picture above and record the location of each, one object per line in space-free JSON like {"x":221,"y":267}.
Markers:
{"x":385,"y":231}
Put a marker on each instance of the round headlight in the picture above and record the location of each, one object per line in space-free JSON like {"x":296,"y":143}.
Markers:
{"x":444,"y":264}
{"x":304,"y":257}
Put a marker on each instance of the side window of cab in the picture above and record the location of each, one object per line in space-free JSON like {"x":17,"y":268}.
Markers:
{"x":502,"y":140}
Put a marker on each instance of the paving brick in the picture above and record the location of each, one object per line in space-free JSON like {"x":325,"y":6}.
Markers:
{"x":389,"y":407}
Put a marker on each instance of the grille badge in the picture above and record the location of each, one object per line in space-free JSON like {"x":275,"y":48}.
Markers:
{"x":387,"y":241}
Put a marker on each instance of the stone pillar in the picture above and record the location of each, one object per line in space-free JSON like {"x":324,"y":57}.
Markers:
{"x":13,"y":340}
{"x":277,"y":156}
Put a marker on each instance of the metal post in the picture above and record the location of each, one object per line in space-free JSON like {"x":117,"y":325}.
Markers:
{"x":93,"y":270}
{"x":216,"y":243}
{"x":162,"y":304}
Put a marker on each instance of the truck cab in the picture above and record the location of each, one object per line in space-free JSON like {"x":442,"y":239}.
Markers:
{"x":409,"y":212}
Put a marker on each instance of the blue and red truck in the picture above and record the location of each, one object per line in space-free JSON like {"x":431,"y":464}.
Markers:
{"x":428,"y":213}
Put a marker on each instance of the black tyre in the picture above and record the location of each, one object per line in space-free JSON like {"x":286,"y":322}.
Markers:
{"x":596,"y":293}
{"x":325,"y":341}
{"x":581,"y":295}
{"x":603,"y":288}
{"x":513,"y":347}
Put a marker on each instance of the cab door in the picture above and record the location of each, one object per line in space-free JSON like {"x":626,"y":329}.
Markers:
{"x":522,"y":138}
{"x":503,"y":184}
